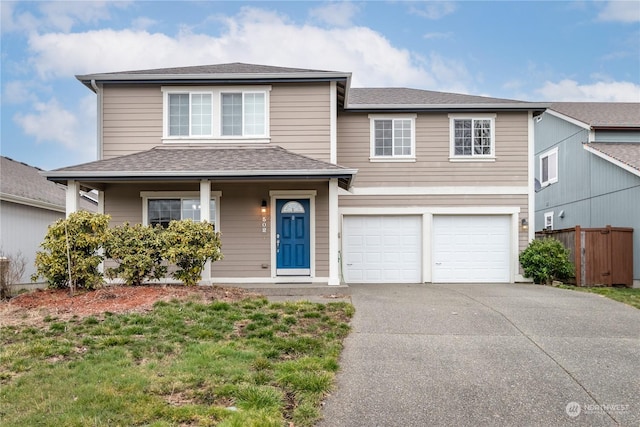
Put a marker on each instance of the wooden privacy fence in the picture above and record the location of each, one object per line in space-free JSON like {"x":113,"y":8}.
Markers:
{"x":601,"y":256}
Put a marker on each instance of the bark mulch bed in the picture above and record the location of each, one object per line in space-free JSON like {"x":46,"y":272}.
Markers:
{"x":33,"y":307}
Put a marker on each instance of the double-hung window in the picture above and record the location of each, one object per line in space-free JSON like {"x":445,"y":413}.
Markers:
{"x":216,"y":113}
{"x":472,"y":137}
{"x":392,"y":138}
{"x":190,"y":114}
{"x":549,"y":167}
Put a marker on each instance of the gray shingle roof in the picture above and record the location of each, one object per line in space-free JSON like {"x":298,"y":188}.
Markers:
{"x":627,"y":153}
{"x":369,"y":96}
{"x":24,"y":181}
{"x":205,"y":162}
{"x":601,"y":114}
{"x":231,"y":68}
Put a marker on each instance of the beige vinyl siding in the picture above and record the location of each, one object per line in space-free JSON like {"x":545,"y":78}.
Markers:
{"x":437,"y":201}
{"x":245,"y":247}
{"x":432,"y":166}
{"x":132,"y":119}
{"x":300,"y":118}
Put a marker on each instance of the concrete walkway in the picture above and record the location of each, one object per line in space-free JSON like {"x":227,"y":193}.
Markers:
{"x":487,"y":355}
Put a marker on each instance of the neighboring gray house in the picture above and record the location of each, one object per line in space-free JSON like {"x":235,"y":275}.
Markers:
{"x":28,"y":204}
{"x":588,"y":166}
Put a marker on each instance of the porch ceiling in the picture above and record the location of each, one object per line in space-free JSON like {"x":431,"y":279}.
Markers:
{"x":188,"y":163}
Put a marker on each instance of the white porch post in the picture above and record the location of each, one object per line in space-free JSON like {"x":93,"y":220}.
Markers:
{"x":334,"y":246}
{"x":73,"y":196}
{"x":205,"y":215}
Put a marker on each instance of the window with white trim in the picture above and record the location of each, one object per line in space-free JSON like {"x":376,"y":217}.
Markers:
{"x":548,"y":220}
{"x":190,"y":114}
{"x":162,"y":207}
{"x":549,"y":167}
{"x":216,"y":113}
{"x":472,"y":137}
{"x":392,"y":138}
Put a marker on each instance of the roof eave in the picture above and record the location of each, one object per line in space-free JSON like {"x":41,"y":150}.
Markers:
{"x":450,"y":107}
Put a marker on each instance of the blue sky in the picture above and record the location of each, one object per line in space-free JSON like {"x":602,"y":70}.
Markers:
{"x":532,"y":51}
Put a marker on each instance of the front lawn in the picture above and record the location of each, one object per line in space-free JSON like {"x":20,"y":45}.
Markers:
{"x":245,"y":363}
{"x":629,"y":296}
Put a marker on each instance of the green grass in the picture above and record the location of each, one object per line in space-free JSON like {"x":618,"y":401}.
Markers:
{"x":249,"y":363}
{"x":630,"y":296}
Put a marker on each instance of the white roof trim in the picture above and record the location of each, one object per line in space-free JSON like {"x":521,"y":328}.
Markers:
{"x":569,"y":119}
{"x":611,"y":160}
{"x":216,"y":76}
{"x":207,"y":173}
{"x":470,"y":106}
{"x":32,"y":202}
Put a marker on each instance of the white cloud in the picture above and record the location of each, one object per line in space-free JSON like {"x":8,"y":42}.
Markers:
{"x":433,"y":36}
{"x":143,"y":23}
{"x":433,"y":9}
{"x":50,"y":122}
{"x":54,"y":15}
{"x":335,"y":14}
{"x":255,"y":36}
{"x":18,"y":92}
{"x":604,"y":91}
{"x":621,"y":11}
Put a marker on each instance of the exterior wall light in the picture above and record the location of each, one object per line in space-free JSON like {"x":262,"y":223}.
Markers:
{"x":525,"y":224}
{"x":263,"y":207}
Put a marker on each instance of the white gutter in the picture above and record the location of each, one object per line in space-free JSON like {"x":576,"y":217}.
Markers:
{"x":31,"y":202}
{"x":471,"y":106}
{"x":207,"y":173}
{"x":98,"y":91}
{"x":215,"y":76}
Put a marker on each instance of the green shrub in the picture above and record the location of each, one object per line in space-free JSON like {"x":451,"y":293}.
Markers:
{"x":138,"y":251}
{"x":189,"y":245}
{"x":545,"y":260}
{"x":78,"y":238}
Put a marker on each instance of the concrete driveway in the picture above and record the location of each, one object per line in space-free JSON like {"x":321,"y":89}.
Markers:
{"x":487,"y":355}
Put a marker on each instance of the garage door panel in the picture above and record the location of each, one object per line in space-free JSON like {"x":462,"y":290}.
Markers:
{"x":468,"y":248}
{"x":382,"y":249}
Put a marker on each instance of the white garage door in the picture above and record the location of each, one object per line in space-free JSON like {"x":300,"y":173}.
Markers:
{"x":382,"y":249}
{"x":468,"y":249}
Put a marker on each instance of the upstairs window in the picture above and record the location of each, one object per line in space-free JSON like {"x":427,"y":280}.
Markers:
{"x":472,"y":138}
{"x":549,"y":167}
{"x":216,"y":113}
{"x":243,"y":114}
{"x":392,"y":138}
{"x":190,"y":114}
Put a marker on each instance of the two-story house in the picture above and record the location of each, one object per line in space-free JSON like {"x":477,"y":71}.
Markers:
{"x":587,"y":157}
{"x":310,"y":180}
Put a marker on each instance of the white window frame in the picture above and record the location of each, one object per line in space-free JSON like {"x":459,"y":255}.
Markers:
{"x":216,"y":123}
{"x":548,"y":220}
{"x":553,"y":153}
{"x":471,"y":157}
{"x":372,"y":138}
{"x":179,"y":195}
{"x":244,"y":93}
{"x":190,"y":94}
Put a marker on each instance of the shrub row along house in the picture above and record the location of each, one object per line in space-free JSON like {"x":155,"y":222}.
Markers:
{"x":311,"y":180}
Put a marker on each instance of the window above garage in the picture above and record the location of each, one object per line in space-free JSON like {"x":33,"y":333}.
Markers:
{"x":472,"y":137}
{"x":393,"y":138}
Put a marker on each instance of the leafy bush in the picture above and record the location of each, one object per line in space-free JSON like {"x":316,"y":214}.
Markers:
{"x":12,"y":272}
{"x":189,"y":245}
{"x":138,"y":251}
{"x":545,"y":260}
{"x":77,"y":239}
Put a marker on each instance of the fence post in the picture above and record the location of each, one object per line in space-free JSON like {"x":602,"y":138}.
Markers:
{"x":577,"y":256}
{"x":4,"y":272}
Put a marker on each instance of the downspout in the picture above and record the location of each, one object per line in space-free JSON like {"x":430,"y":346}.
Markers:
{"x":98,"y":92}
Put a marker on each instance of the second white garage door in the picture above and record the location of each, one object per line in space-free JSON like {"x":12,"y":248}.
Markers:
{"x":471,"y":248}
{"x":382,"y":249}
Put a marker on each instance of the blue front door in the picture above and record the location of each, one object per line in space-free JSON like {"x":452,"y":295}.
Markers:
{"x":293,"y":237}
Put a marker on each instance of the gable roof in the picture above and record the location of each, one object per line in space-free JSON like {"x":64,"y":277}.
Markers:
{"x":418,"y":99}
{"x":601,"y":114}
{"x":206,"y":162}
{"x":625,"y":155}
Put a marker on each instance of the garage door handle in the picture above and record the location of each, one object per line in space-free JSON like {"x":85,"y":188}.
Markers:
{"x":438,"y":263}
{"x":349,"y":264}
